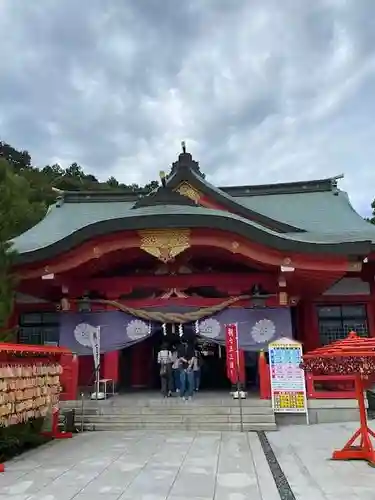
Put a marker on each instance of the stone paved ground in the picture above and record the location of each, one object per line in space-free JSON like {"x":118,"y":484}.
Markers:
{"x":180,"y":466}
{"x":303,"y":454}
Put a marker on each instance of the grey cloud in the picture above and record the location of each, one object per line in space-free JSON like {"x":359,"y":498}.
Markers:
{"x":263,"y":91}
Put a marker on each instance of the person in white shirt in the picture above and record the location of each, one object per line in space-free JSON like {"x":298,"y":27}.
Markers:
{"x":197,"y":370}
{"x":175,"y":371}
{"x":165,"y":363}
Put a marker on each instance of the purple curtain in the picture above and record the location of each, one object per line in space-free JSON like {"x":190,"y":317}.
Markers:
{"x":256,"y":328}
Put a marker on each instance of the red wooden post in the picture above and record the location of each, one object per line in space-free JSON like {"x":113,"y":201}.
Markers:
{"x":308,"y":322}
{"x":69,"y":377}
{"x":111,"y":365}
{"x":264,"y":377}
{"x":55,"y":432}
{"x":365,"y":450}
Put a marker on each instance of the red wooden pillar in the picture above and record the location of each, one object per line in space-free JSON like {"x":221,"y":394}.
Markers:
{"x":111,"y":365}
{"x":69,"y":377}
{"x":140,"y":368}
{"x":264,"y":377}
{"x":111,"y":360}
{"x":371,"y":310}
{"x":308,"y":325}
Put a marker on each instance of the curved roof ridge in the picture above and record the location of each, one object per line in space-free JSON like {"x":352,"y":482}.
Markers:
{"x":51,"y":210}
{"x":345,"y":195}
{"x":45,"y":244}
{"x":228,"y":201}
{"x":304,"y":186}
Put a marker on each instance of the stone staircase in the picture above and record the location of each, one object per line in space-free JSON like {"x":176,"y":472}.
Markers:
{"x":203,"y":413}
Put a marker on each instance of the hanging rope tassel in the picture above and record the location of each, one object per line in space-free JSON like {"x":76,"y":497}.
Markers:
{"x":164,"y":328}
{"x":180,"y":329}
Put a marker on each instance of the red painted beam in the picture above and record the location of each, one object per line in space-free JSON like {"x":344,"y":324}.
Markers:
{"x":192,"y":302}
{"x":222,"y":281}
{"x":232,"y":283}
{"x":253,"y":252}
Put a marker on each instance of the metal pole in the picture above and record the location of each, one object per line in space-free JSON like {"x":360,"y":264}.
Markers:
{"x":97,"y":363}
{"x":82,"y":410}
{"x":238,"y":378}
{"x":97,"y":383}
{"x":239,"y":399}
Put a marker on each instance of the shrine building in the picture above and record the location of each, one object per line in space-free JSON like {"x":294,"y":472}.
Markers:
{"x":291,"y":259}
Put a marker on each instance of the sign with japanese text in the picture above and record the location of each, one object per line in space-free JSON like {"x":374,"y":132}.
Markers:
{"x":287,"y":378}
{"x":235,"y":357}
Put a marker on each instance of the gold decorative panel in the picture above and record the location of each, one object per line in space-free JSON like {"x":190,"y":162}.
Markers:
{"x":355,"y":266}
{"x":185,"y":189}
{"x":283,"y":298}
{"x":234,"y":246}
{"x":164,"y":244}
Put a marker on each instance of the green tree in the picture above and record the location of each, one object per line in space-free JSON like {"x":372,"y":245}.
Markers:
{"x":53,"y":172}
{"x":372,"y":218}
{"x":151,"y":186}
{"x":19,"y":160}
{"x":112,"y":182}
{"x":19,"y":210}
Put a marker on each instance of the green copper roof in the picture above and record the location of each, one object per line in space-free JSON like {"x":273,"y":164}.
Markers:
{"x":72,"y":224}
{"x":312,"y":216}
{"x":62,"y":221}
{"x":322,"y":212}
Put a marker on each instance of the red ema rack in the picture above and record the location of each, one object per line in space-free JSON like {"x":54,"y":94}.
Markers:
{"x":353,"y":355}
{"x":22,"y":354}
{"x":32,"y":349}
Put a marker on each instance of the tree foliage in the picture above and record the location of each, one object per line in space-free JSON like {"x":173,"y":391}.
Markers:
{"x":26,"y":192}
{"x":19,"y":209}
{"x":41,"y":181}
{"x":372,"y":218}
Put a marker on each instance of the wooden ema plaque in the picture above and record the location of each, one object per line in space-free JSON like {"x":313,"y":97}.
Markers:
{"x":30,"y":385}
{"x":351,"y":356}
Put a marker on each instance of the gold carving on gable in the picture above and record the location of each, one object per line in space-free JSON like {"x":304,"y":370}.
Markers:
{"x":283,"y":299}
{"x":164,"y":244}
{"x":355,"y":266}
{"x":185,"y":189}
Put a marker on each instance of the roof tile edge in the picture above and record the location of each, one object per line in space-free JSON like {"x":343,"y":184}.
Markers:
{"x":318,"y":185}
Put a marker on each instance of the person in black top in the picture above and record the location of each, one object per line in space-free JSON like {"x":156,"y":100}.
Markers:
{"x":186,"y":364}
{"x":165,"y":363}
{"x":197,"y":370}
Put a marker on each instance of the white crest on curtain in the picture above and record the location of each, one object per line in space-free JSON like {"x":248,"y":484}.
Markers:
{"x":89,"y":336}
{"x":263,"y":331}
{"x":137,"y":329}
{"x":84,"y":334}
{"x":210,"y":328}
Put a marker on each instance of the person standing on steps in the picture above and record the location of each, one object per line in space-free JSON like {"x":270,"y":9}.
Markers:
{"x":175,"y":370}
{"x":165,"y":363}
{"x":197,"y":370}
{"x":186,"y":365}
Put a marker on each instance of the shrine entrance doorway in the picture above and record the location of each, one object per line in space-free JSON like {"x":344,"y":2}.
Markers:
{"x":138,"y":368}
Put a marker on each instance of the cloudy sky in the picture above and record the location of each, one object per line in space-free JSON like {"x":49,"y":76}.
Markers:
{"x":261,"y":90}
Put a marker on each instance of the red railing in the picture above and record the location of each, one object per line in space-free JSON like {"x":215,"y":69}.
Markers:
{"x":331,"y":386}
